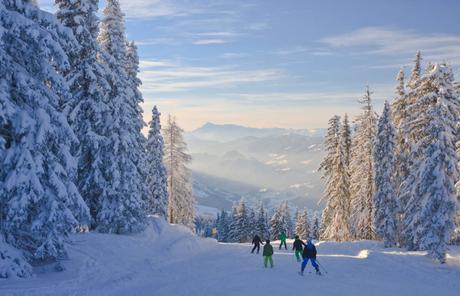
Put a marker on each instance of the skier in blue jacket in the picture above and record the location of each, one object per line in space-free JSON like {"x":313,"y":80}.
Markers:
{"x":309,"y":253}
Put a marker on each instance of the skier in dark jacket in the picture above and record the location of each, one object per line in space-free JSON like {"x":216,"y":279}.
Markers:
{"x":298,"y":247}
{"x":268,"y":253}
{"x":256,"y":241}
{"x":309,"y":253}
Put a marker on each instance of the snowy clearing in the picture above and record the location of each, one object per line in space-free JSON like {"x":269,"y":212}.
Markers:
{"x":169,"y":260}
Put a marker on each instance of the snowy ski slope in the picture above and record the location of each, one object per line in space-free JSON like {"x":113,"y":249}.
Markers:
{"x":169,"y":260}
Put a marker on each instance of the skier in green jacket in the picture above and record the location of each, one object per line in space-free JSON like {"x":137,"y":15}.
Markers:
{"x":282,"y":237}
{"x":268,"y":253}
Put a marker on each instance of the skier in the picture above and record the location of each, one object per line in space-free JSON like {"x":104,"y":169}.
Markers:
{"x":298,"y":247}
{"x":268,"y":253}
{"x":282,"y":237}
{"x":256,"y":241}
{"x":309,"y":253}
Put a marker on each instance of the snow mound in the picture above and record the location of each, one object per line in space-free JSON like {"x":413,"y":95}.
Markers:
{"x":100,"y":263}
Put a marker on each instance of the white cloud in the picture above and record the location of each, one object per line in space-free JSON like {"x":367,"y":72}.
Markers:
{"x":396,"y":42}
{"x":166,"y":76}
{"x":210,"y":41}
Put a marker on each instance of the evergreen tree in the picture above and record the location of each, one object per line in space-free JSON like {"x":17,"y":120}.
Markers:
{"x":157,"y":180}
{"x":327,"y":165}
{"x":241,"y":224}
{"x":39,"y":202}
{"x":287,"y":220}
{"x":122,"y":210}
{"x":234,"y":232}
{"x":261,"y":223}
{"x":399,"y":108}
{"x":361,"y":171}
{"x":181,"y":204}
{"x":87,"y":108}
{"x":416,"y":71}
{"x":430,"y":211}
{"x":385,"y":205}
{"x":315,"y":230}
{"x":297,"y":227}
{"x":302,"y":227}
{"x":223,"y":225}
{"x":277,"y":224}
{"x":338,"y":202}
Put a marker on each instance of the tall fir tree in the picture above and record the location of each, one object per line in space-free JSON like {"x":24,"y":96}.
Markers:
{"x":181,"y":203}
{"x":302,"y":227}
{"x":157,"y":179}
{"x":338,"y":197}
{"x":241,"y":223}
{"x":233,"y":232}
{"x":331,"y":144}
{"x":385,"y":199}
{"x":416,"y":71}
{"x":277,"y":225}
{"x":223,"y":227}
{"x":87,"y":107}
{"x":39,"y":201}
{"x":315,"y":229}
{"x":123,"y":209}
{"x":399,"y":109}
{"x":430,"y":191}
{"x":261,"y":223}
{"x":362,"y":169}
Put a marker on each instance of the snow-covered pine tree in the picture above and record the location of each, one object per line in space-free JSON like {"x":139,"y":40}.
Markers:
{"x":331,"y":144}
{"x":157,"y":179}
{"x":385,"y":199}
{"x":39,"y":202}
{"x":223,"y":225}
{"x":416,"y":71}
{"x":123,"y":209}
{"x":277,"y":224}
{"x":338,"y":197}
{"x":240,"y":227}
{"x":432,"y":129}
{"x":87,"y":107}
{"x":315,"y":229}
{"x":261,"y":223}
{"x":406,"y":98}
{"x":399,"y":108}
{"x":302,"y":226}
{"x":287,"y":220}
{"x":362,"y":169}
{"x":297,"y":227}
{"x":181,"y":203}
{"x":233,"y":231}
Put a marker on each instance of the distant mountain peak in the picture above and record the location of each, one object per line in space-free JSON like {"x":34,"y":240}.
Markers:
{"x":229,"y":132}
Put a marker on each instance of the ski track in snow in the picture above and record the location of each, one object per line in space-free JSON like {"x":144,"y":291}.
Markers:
{"x":169,"y":260}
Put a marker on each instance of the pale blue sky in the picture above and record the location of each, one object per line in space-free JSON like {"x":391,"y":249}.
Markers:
{"x":267,"y":63}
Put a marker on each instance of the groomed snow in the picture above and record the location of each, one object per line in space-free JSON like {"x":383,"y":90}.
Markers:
{"x":169,"y":260}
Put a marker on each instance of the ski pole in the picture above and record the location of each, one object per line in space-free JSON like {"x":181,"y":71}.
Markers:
{"x":322,"y":267}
